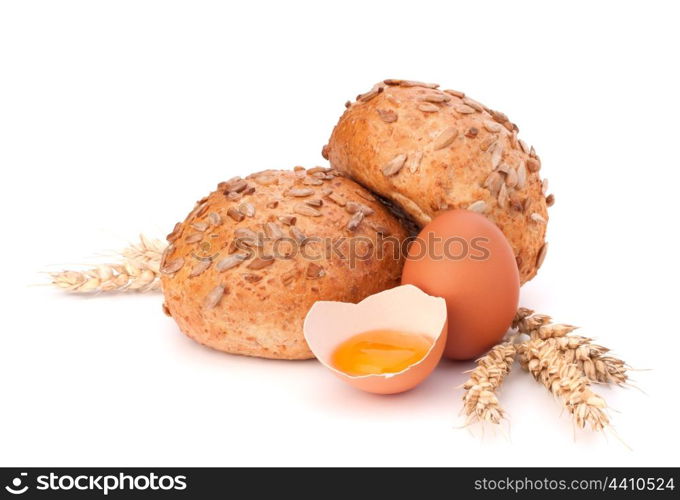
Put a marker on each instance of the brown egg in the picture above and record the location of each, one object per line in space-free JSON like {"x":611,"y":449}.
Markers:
{"x":464,"y":258}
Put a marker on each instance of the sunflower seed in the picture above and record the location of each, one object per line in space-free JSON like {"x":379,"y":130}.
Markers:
{"x":445,"y":138}
{"x":261,"y":262}
{"x":233,"y":196}
{"x":355,"y":220}
{"x":215,"y":219}
{"x":247,"y":209}
{"x":273,"y":231}
{"x":176,"y":232}
{"x":166,"y":311}
{"x":235,"y":214}
{"x":302,"y":209}
{"x":472,"y":133}
{"x":243,"y":233}
{"x":503,"y":196}
{"x":318,"y":169}
{"x":297,"y":235}
{"x":392,"y":82}
{"x":464,"y":109}
{"x":544,"y":186}
{"x":365,"y":195}
{"x":393,"y":166}
{"x":337,"y":199}
{"x":492,"y":127}
{"x":324,"y":149}
{"x":536,"y":217}
{"x":273,"y":204}
{"x":435,"y":98}
{"x":493,"y":182}
{"x":201,"y":210}
{"x":193,"y":238}
{"x":288,"y":220}
{"x":521,"y":175}
{"x":348,"y":104}
{"x":312,"y":181}
{"x":370,"y":94}
{"x":300,"y":192}
{"x":511,"y":177}
{"x":496,"y":155}
{"x":266,"y":180}
{"x":541,"y":255}
{"x":532,"y":152}
{"x":533,"y":165}
{"x":428,"y":107}
{"x":288,"y":277}
{"x":413,"y":83}
{"x":511,"y":127}
{"x":251,"y":277}
{"x":498,"y":116}
{"x":523,"y":145}
{"x":478,"y":206}
{"x":173,"y":266}
{"x":214,"y":297}
{"x":414,"y":160}
{"x":315,"y":202}
{"x":473,"y":104}
{"x":315,"y":271}
{"x":238,"y":186}
{"x":455,"y":93}
{"x":550,"y":200}
{"x":487,"y":143}
{"x":230,"y":262}
{"x":200,"y":226}
{"x":199,"y":267}
{"x":353,"y":207}
{"x":387,"y":115}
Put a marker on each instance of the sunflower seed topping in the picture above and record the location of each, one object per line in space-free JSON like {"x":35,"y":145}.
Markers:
{"x":464,"y":109}
{"x":445,"y":138}
{"x":536,"y":217}
{"x":337,"y":199}
{"x":273,"y":231}
{"x":493,"y":182}
{"x":315,"y":202}
{"x":533,"y":165}
{"x":523,"y":145}
{"x":455,"y":93}
{"x":496,"y":155}
{"x":550,"y":200}
{"x":436,"y":98}
{"x":511,"y":177}
{"x":260,"y":262}
{"x":235,"y":214}
{"x":355,"y":220}
{"x":492,"y":127}
{"x":199,"y":267}
{"x":532,"y":152}
{"x":312,"y":181}
{"x":414,"y":160}
{"x":173,"y":266}
{"x":473,"y":104}
{"x":252,"y":277}
{"x":544,"y":186}
{"x":487,"y":143}
{"x":200,"y":226}
{"x":194,"y":238}
{"x":478,"y":206}
{"x":387,"y":115}
{"x":273,"y":204}
{"x":315,"y":271}
{"x":297,"y":235}
{"x":427,"y":107}
{"x":521,"y":175}
{"x":472,"y":133}
{"x":503,"y":196}
{"x":300,"y":192}
{"x":288,"y":277}
{"x":176,"y":231}
{"x":214,"y":297}
{"x":288,"y":220}
{"x":230,"y":262}
{"x":498,"y":116}
{"x":247,"y":209}
{"x":413,"y":83}
{"x":215,"y":219}
{"x":353,"y":207}
{"x":302,"y":209}
{"x":393,"y":166}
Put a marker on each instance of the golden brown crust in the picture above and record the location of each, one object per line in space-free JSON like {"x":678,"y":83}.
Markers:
{"x":429,"y":150}
{"x":256,"y":305}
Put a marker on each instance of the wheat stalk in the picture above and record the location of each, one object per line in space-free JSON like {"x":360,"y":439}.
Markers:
{"x":139,"y":271}
{"x":565,"y":381}
{"x":480,"y":403}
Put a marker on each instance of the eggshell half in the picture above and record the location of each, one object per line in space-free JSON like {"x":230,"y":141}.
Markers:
{"x":404,"y":308}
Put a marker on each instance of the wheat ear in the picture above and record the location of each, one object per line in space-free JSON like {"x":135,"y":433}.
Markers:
{"x":138,"y":272}
{"x":565,"y":381}
{"x":480,"y":402}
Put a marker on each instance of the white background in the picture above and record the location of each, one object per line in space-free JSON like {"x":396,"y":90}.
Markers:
{"x":116,"y":116}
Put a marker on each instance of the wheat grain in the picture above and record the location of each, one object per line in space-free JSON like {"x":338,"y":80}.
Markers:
{"x":565,"y":381}
{"x":139,"y":271}
{"x":480,"y":402}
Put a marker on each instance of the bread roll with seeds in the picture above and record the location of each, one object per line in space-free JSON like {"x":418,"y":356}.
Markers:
{"x":241,"y":271}
{"x":428,"y":150}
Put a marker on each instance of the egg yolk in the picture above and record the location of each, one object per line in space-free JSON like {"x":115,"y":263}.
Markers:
{"x":380,"y":351}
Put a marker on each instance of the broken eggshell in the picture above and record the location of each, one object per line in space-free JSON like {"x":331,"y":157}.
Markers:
{"x":404,"y":308}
